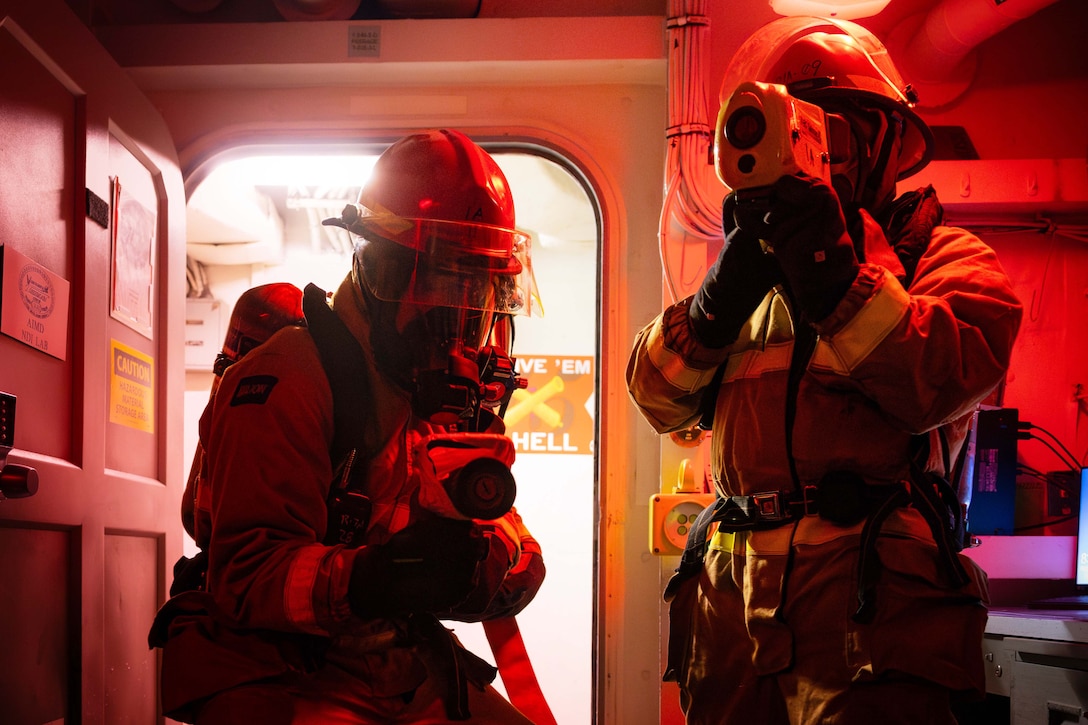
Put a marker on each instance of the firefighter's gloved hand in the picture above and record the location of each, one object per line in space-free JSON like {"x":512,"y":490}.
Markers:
{"x":807,"y":233}
{"x":734,"y":286}
{"x":520,"y":587}
{"x":489,"y":577}
{"x":508,"y":578}
{"x":427,"y":567}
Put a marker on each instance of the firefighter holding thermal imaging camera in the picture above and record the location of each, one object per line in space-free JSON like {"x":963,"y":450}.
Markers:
{"x":353,"y":487}
{"x":836,"y":349}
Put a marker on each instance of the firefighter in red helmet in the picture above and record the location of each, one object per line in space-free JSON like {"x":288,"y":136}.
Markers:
{"x":328,"y":566}
{"x":259,"y":313}
{"x":837,"y":349}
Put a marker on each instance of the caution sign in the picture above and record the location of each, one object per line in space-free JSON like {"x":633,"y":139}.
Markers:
{"x":554,"y":414}
{"x":132,"y":388}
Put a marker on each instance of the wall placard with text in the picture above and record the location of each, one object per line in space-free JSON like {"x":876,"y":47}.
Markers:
{"x":554,"y":414}
{"x":34,"y":306}
{"x":132,"y":388}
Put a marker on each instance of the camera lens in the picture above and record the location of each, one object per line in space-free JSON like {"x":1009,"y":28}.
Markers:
{"x":745,"y":127}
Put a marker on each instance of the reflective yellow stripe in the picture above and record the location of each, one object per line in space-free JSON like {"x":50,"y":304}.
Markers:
{"x":842,"y":352}
{"x":754,"y":363}
{"x":298,"y":594}
{"x":672,"y":366}
{"x":722,"y":541}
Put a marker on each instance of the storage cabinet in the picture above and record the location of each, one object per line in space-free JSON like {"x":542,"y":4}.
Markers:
{"x":1039,"y":660}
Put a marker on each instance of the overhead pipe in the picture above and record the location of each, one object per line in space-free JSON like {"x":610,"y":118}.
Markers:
{"x":937,"y":53}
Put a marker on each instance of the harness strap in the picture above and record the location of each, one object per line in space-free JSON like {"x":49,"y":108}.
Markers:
{"x":738,"y":513}
{"x":922,"y":495}
{"x":691,"y":560}
{"x":928,"y":500}
{"x":935,"y":497}
{"x":868,"y":558}
{"x":344,"y":366}
{"x":767,"y":509}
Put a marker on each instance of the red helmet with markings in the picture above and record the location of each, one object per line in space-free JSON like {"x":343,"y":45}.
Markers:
{"x":436,"y":228}
{"x":843,"y":68}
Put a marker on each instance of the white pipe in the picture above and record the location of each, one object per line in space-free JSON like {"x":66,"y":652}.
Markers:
{"x":302,"y":10}
{"x":954,"y":28}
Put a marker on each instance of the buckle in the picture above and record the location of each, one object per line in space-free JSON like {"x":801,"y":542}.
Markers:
{"x":766,"y":509}
{"x":809,"y":501}
{"x":768,"y":505}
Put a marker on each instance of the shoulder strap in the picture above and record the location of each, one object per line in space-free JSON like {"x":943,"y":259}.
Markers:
{"x":344,"y":366}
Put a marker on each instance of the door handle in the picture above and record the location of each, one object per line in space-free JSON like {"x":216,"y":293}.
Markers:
{"x":17,"y":481}
{"x":1058,"y":713}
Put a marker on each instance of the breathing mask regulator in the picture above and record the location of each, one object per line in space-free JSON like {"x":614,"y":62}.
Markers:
{"x":820,"y":97}
{"x":464,"y":373}
{"x":443,"y":271}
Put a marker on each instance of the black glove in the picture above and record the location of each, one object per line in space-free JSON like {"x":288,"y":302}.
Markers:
{"x":501,"y":590}
{"x":807,"y":232}
{"x":427,"y":567}
{"x":734,"y":286}
{"x":489,"y":580}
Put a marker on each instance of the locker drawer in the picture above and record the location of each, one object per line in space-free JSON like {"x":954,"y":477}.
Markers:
{"x":1049,"y":682}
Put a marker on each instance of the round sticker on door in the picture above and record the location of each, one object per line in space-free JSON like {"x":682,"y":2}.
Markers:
{"x":37,"y":291}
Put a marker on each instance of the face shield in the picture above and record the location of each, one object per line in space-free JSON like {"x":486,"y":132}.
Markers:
{"x":437,"y":263}
{"x":865,"y":175}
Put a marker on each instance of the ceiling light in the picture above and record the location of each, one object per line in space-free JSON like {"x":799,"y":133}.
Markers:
{"x":288,"y":170}
{"x":841,"y":9}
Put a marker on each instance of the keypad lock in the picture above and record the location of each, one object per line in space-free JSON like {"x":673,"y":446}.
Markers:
{"x":16,"y":480}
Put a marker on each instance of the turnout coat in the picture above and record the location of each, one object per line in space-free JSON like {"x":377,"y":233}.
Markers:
{"x":796,"y":403}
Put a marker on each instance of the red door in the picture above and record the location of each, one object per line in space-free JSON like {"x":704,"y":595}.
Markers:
{"x":91,"y":374}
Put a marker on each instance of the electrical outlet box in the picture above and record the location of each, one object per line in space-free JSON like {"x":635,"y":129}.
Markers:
{"x":671,"y":518}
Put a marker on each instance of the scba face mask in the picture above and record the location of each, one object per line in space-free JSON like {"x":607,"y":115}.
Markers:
{"x":455,"y":362}
{"x":463,"y":376}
